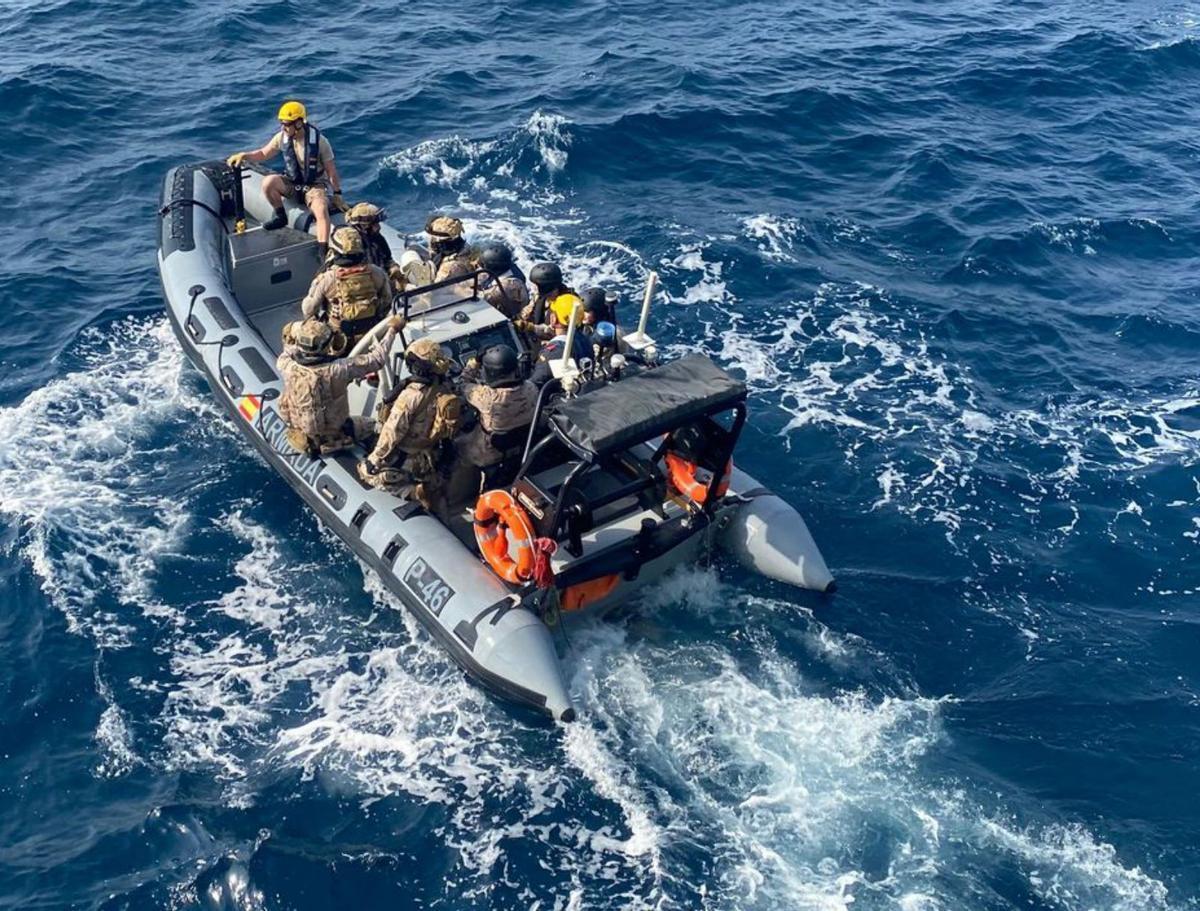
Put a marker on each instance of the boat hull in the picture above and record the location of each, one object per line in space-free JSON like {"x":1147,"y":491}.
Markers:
{"x":478,"y":620}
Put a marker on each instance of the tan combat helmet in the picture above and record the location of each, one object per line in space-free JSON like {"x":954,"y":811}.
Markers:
{"x":312,"y":335}
{"x":444,"y":227}
{"x":366,"y":213}
{"x":346,"y":242}
{"x":429,"y":353}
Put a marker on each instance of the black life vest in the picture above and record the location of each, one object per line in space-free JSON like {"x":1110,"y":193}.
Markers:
{"x":542,"y":301}
{"x":305,"y":177}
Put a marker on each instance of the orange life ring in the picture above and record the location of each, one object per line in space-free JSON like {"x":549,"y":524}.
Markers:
{"x":683,"y":478}
{"x":582,"y":594}
{"x":502,"y":525}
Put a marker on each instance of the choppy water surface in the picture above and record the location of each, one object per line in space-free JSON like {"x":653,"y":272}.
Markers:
{"x":952,"y":250}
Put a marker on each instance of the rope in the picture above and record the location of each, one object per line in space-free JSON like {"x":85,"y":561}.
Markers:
{"x":187,"y":201}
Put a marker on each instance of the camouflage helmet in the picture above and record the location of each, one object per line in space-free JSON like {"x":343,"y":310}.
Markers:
{"x":429,"y":354}
{"x":346,"y":242}
{"x":312,"y":335}
{"x":445,"y":227}
{"x":366,"y":213}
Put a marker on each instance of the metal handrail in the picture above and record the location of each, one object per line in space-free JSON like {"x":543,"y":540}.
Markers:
{"x":402,"y":299}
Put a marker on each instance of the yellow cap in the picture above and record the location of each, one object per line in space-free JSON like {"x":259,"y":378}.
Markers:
{"x":292,"y":110}
{"x":563,"y":305}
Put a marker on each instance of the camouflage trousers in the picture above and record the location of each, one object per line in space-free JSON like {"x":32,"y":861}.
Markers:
{"x":417,"y":479}
{"x":354,"y":429}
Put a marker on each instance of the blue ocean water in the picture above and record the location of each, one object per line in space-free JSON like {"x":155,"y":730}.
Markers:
{"x":951,"y":248}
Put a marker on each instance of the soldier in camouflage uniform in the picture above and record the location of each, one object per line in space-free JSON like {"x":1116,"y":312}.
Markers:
{"x":313,"y":404}
{"x":447,"y":248}
{"x":536,"y":321}
{"x":503,"y":287}
{"x":424,"y":414}
{"x":505,"y":403}
{"x":366,"y":219}
{"x":352,"y":295}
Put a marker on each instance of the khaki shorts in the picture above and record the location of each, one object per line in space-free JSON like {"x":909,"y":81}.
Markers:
{"x":318,"y":190}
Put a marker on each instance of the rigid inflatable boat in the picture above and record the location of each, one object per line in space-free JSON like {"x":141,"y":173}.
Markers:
{"x":625,"y":473}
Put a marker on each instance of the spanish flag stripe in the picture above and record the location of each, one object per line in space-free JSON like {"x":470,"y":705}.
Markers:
{"x":249,"y":405}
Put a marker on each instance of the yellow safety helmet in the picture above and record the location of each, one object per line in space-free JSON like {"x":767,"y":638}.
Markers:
{"x":563,"y":305}
{"x":291,"y":111}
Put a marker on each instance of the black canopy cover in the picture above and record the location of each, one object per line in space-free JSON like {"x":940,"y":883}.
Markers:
{"x":646,"y":405}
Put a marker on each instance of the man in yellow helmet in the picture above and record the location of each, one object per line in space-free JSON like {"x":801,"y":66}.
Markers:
{"x":353,"y":294}
{"x":554,"y":348}
{"x":309,"y":171}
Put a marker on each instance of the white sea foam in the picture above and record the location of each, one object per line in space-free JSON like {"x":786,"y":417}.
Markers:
{"x":775,"y":235}
{"x":115,"y":743}
{"x":869,"y":374}
{"x":1069,"y":868}
{"x":79,"y":474}
{"x":708,"y":287}
{"x":475,"y":168}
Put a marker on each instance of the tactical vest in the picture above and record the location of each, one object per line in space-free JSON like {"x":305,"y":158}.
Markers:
{"x":452,"y":265}
{"x":355,"y":300}
{"x":305,"y":177}
{"x":447,"y":417}
{"x":308,"y":403}
{"x":504,"y":423}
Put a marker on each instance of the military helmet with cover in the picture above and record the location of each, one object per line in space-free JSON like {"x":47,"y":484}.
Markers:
{"x":346,"y":242}
{"x":366,"y":213}
{"x":312,"y":335}
{"x":426,"y":355}
{"x":444,"y":226}
{"x":445,"y":234}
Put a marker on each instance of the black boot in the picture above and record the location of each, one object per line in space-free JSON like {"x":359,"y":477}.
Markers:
{"x":278,"y":221}
{"x":322,"y":251}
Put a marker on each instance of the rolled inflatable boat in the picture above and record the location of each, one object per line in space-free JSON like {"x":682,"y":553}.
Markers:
{"x":591,"y":482}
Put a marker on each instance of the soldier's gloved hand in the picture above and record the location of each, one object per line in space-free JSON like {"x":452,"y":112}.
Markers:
{"x":339,"y":203}
{"x":396,"y":274}
{"x":397,"y":322}
{"x":523,"y":325}
{"x":235,"y":159}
